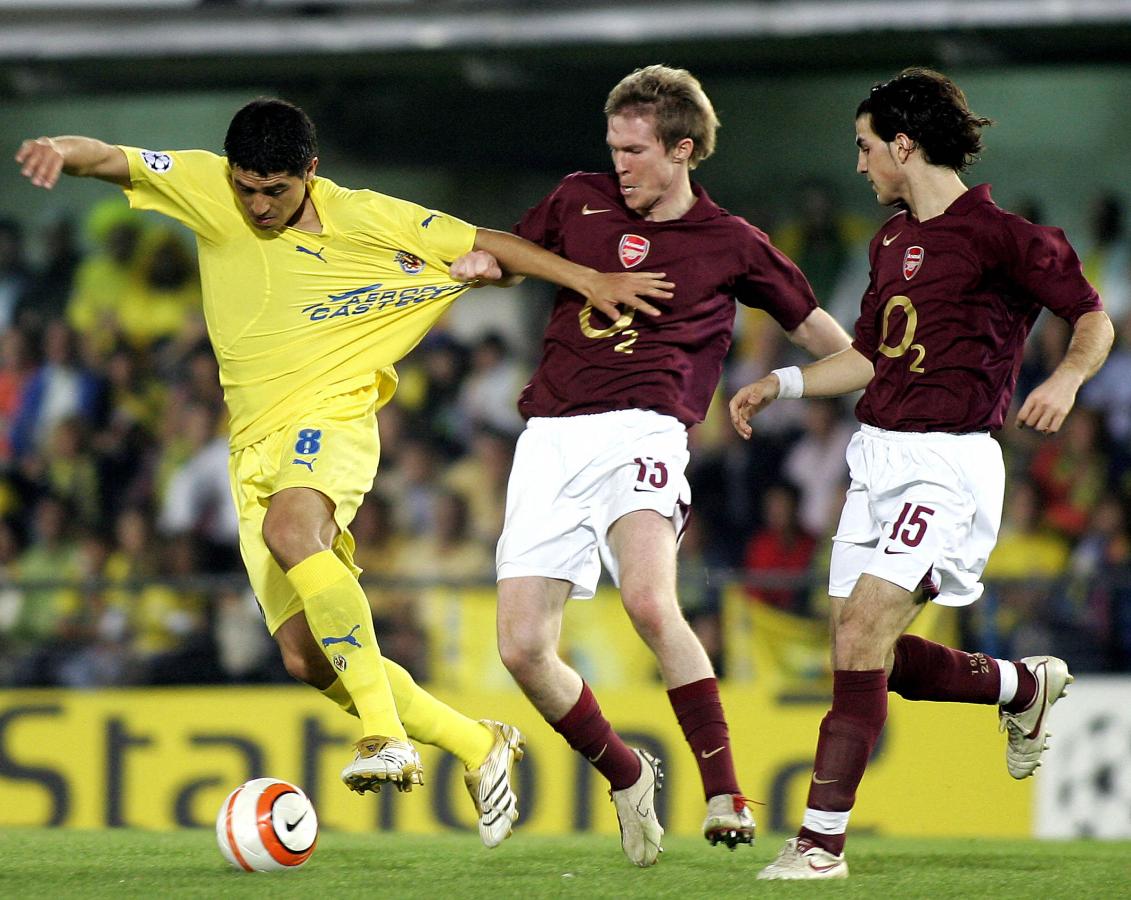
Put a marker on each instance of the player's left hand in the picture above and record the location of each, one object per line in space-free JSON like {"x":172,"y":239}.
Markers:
{"x":478,"y":267}
{"x":607,"y":292}
{"x":1046,"y":408}
{"x":751,"y":400}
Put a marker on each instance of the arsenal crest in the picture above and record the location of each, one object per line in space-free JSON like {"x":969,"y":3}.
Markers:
{"x":912,"y":260}
{"x":633,"y":248}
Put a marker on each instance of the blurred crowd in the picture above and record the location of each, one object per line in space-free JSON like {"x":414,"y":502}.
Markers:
{"x":118,"y":547}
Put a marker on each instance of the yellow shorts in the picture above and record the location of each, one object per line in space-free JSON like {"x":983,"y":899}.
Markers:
{"x":334,"y":451}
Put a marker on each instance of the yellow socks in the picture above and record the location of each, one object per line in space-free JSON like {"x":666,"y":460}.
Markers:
{"x":431,"y":721}
{"x":338,"y":694}
{"x":340,"y":619}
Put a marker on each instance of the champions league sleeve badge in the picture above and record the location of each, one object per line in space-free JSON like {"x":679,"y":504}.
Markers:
{"x":157,"y":162}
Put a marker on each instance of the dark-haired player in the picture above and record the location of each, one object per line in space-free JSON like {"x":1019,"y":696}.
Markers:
{"x":956,"y":284}
{"x":598,"y":474}
{"x":311,"y":293}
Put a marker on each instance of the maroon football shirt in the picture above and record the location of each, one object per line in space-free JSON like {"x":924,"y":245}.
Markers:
{"x":670,"y":363}
{"x":950,"y":303}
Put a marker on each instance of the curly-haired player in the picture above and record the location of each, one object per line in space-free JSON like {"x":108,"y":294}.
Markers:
{"x":956,"y":284}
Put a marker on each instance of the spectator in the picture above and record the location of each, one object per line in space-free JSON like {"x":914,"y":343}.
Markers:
{"x":481,"y":479}
{"x":1028,"y":556}
{"x":489,"y":393}
{"x":17,"y":364}
{"x":448,"y":552}
{"x":778,"y":555}
{"x":15,"y":277}
{"x":171,"y":642}
{"x":816,"y":464}
{"x":1109,"y":394}
{"x":197,"y":501}
{"x":49,"y":289}
{"x":68,"y":470}
{"x":1107,"y":260}
{"x":412,"y":484}
{"x":103,"y":276}
{"x":163,"y":295}
{"x":49,"y":610}
{"x":1071,"y":469}
{"x":445,"y":365}
{"x":133,"y":561}
{"x":102,"y":656}
{"x":59,"y":388}
{"x":823,"y":238}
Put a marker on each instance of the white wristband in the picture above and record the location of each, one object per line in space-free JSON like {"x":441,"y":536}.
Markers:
{"x":792,"y":383}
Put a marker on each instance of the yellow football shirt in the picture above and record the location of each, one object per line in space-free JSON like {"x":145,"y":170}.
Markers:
{"x":296,"y":318}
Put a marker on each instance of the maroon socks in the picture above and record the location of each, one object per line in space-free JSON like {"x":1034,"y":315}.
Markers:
{"x":699,"y":712}
{"x":588,"y":732}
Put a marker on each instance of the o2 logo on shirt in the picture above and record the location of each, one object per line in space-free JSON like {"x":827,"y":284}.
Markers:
{"x":157,"y":162}
{"x":619,"y":327}
{"x":412,"y":265}
{"x":632,"y":250}
{"x":907,"y":345}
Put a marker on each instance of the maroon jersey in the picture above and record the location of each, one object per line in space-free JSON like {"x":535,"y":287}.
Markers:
{"x":670,"y":363}
{"x":949,"y":306}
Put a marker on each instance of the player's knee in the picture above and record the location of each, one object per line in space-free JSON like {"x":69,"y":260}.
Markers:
{"x":651,"y":614}
{"x":287,"y":540}
{"x":522,"y":655}
{"x":309,"y":668}
{"x":858,"y":644}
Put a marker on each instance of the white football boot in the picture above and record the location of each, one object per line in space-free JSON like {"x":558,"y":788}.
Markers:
{"x":800,"y":859}
{"x":381,"y":760}
{"x":640,"y":830}
{"x":490,"y":785}
{"x":728,"y":821}
{"x":1027,"y":730}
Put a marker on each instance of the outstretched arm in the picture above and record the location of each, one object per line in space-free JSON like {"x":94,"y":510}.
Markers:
{"x":1049,"y":403}
{"x":606,"y":292}
{"x":841,"y":373}
{"x":43,"y":159}
{"x":820,"y":334}
{"x":482,"y":269}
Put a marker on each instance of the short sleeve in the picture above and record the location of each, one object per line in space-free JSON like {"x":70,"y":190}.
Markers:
{"x":190,"y":186}
{"x":541,"y":224}
{"x":437,"y":234}
{"x":773,"y":282}
{"x":1044,"y":264}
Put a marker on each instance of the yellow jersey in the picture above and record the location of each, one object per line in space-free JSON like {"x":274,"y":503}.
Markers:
{"x":296,"y":318}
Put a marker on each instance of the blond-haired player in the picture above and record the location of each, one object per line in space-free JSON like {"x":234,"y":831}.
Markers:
{"x":311,"y":293}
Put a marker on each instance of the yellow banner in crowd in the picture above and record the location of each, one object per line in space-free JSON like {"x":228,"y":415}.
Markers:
{"x":166,"y":758}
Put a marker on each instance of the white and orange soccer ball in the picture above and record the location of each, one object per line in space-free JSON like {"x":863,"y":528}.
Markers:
{"x":267,"y":825}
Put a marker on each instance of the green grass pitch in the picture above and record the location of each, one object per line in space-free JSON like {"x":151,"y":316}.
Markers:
{"x":120,"y":864}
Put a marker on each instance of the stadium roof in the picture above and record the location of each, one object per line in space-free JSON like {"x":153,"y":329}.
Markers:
{"x":48,"y":45}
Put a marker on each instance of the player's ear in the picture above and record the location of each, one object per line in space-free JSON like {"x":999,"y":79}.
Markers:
{"x":682,"y":151}
{"x":311,"y":169}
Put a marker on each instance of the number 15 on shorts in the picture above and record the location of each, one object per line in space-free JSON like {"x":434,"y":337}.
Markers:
{"x":911,"y":525}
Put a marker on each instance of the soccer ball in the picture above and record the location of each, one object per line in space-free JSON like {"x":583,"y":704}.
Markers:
{"x":267,"y":825}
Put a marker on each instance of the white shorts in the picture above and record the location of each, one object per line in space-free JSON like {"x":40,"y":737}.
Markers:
{"x":573,"y":477}
{"x":922,"y":510}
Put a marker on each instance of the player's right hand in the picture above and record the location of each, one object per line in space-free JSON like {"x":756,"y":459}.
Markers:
{"x":609,"y":291}
{"x":751,"y":400}
{"x":477,"y":266}
{"x":41,"y":161}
